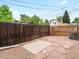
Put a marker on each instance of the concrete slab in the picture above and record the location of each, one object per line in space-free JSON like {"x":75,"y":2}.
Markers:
{"x":37,"y":46}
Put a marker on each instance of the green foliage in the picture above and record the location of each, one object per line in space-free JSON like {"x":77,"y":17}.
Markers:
{"x":46,"y":22}
{"x":5,"y":14}
{"x":66,"y":18}
{"x":16,"y":21}
{"x":25,"y":19}
{"x":41,"y":22}
{"x":59,"y":18}
{"x":76,"y":20}
{"x":35,"y":20}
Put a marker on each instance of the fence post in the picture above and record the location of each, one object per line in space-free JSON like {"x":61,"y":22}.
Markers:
{"x":77,"y":32}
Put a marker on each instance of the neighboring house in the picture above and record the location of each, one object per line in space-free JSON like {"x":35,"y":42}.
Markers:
{"x":54,"y":22}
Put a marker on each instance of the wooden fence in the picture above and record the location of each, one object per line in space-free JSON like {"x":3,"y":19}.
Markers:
{"x":14,"y":33}
{"x":63,"y":30}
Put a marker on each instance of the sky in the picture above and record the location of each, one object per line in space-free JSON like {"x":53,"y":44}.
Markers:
{"x":45,"y":9}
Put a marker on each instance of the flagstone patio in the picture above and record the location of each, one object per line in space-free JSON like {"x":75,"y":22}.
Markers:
{"x":61,"y":48}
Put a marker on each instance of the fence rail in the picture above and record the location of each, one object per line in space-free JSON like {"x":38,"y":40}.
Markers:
{"x":13,"y":33}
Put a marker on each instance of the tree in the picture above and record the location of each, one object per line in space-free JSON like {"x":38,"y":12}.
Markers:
{"x":66,"y":18}
{"x":59,"y":18}
{"x":24,"y":18}
{"x":5,"y":14}
{"x":41,"y":22}
{"x":46,"y":22}
{"x":16,"y":21}
{"x":76,"y":20}
{"x":35,"y":20}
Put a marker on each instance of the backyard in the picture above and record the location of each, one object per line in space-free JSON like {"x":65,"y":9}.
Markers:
{"x":39,"y":29}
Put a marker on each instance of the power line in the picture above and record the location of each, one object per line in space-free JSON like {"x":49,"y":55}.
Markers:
{"x":36,"y":4}
{"x":33,"y":3}
{"x":39,"y":4}
{"x":20,"y":5}
{"x":62,"y":8}
{"x":73,"y":10}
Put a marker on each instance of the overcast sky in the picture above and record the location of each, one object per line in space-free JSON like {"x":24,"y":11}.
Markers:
{"x":43,"y":8}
